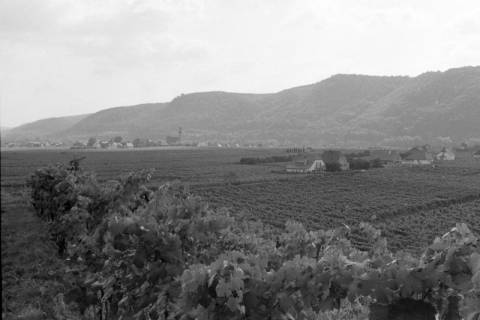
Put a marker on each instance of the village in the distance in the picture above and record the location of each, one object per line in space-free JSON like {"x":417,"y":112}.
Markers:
{"x":304,"y":159}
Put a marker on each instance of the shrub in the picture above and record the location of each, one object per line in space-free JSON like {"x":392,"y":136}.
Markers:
{"x":359,"y":164}
{"x":333,"y":166}
{"x":376,"y":163}
{"x":360,"y":154}
{"x":249,"y":160}
{"x":271,"y":159}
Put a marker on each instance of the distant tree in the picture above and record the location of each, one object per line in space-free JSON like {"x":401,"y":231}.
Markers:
{"x":354,"y":155}
{"x":78,"y":145}
{"x":333,"y":166}
{"x":249,"y":160}
{"x":117,"y":139}
{"x":137,"y":142}
{"x":91,"y":142}
{"x":359,"y":164}
{"x":376,"y":163}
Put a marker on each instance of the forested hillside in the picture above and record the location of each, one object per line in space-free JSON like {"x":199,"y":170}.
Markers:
{"x":43,"y":128}
{"x":343,"y":109}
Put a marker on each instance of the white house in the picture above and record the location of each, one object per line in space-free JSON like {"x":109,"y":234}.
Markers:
{"x":115,"y":145}
{"x":306,"y":166}
{"x":317,"y":165}
{"x":445,"y":155}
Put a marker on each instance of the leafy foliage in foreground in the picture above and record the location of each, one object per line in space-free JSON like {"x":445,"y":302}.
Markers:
{"x":164,"y":254}
{"x":74,"y":203}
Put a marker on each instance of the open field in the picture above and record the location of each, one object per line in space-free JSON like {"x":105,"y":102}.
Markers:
{"x":189,"y":165}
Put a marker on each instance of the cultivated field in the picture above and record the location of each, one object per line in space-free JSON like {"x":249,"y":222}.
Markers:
{"x":409,"y":231}
{"x":402,"y":200}
{"x":379,"y":196}
{"x":188,"y":165}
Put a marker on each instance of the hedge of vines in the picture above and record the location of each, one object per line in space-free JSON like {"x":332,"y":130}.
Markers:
{"x":137,"y":253}
{"x":272,"y":159}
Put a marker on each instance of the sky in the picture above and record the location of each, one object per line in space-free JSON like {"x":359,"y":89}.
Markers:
{"x":68,"y":57}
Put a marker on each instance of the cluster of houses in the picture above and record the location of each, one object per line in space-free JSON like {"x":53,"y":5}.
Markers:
{"x":118,"y":143}
{"x":137,"y":143}
{"x":103,"y":144}
{"x":229,"y":145}
{"x":426,"y":156}
{"x":333,"y":160}
{"x":35,"y":144}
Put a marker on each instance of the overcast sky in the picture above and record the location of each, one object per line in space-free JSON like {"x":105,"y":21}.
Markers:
{"x":65,"y":57}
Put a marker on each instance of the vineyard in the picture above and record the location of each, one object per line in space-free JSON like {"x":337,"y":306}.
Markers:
{"x":406,"y":231}
{"x":131,"y":252}
{"x":399,"y":197}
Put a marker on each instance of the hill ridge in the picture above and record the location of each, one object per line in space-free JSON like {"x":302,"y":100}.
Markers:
{"x":344,"y":109}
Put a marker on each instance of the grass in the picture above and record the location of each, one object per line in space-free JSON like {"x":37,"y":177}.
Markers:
{"x":31,"y":272}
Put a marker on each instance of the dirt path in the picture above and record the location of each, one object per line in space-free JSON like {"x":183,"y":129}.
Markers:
{"x":31,"y":272}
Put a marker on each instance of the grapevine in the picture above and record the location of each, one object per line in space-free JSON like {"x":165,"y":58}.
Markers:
{"x":141,"y":253}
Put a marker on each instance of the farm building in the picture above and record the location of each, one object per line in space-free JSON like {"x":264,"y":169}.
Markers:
{"x":172,"y":141}
{"x":335,"y":158}
{"x":104,"y":144}
{"x":306,"y":166}
{"x":418,"y":156}
{"x":115,"y":145}
{"x":386,"y":157}
{"x":445,"y":155}
{"x":76,"y":145}
{"x":296,"y":168}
